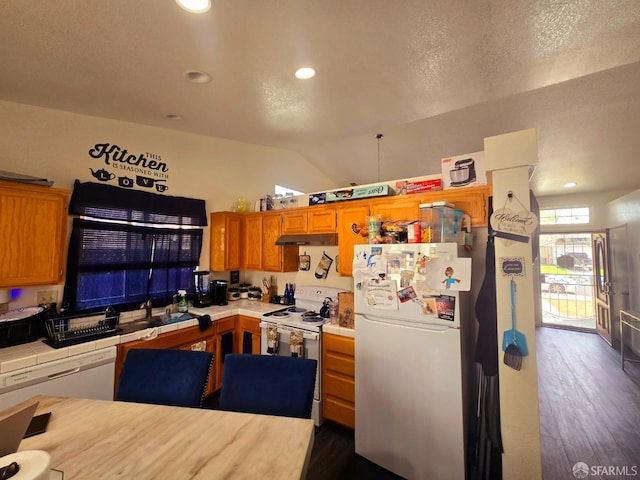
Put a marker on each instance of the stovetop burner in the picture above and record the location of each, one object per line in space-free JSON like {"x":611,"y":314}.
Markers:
{"x":297,"y":310}
{"x":313,"y":320}
{"x":310,"y":311}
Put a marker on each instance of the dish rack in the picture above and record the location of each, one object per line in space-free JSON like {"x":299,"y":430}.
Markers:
{"x":71,"y":330}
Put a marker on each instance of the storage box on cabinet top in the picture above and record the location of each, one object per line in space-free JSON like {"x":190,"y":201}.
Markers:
{"x":366,"y":191}
{"x":419,"y":185}
{"x":317,"y":198}
{"x":463,"y":170}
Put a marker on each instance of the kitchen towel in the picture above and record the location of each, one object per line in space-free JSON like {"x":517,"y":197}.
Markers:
{"x":34,"y":464}
{"x":272,"y":339}
{"x":204,"y":322}
{"x":297,"y":344}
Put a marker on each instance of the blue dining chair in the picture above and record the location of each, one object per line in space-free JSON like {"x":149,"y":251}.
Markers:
{"x":165,"y":377}
{"x":269,"y":385}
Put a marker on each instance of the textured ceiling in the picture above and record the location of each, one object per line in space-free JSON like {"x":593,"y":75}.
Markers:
{"x":435,"y":77}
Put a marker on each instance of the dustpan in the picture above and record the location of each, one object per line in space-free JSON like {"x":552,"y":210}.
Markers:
{"x":512,"y":339}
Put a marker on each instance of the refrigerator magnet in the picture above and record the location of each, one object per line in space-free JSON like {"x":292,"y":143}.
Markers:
{"x":446,"y":307}
{"x":449,"y":274}
{"x":381,"y":294}
{"x":407,"y":294}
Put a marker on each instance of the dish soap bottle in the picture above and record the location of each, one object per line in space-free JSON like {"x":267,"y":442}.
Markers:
{"x":183,"y":305}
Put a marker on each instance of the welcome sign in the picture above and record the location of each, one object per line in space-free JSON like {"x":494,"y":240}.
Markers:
{"x":127,"y":170}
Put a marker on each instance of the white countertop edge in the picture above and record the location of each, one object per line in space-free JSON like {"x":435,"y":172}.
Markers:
{"x":338,"y":330}
{"x":36,"y":353}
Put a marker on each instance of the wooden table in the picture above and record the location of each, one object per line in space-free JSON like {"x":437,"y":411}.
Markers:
{"x":98,"y":439}
{"x":629,"y":319}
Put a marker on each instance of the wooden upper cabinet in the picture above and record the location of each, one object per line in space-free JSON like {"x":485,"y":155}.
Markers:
{"x":322,"y":220}
{"x":347,"y":216}
{"x":473,"y":201}
{"x":294,"y":221}
{"x":252,"y":242}
{"x":33,"y":244}
{"x":258,"y":232}
{"x":226,"y":241}
{"x":271,"y":231}
{"x":316,"y":219}
{"x":276,"y":258}
{"x":404,"y":208}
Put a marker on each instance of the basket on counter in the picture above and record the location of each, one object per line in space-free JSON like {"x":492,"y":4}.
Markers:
{"x":71,"y":330}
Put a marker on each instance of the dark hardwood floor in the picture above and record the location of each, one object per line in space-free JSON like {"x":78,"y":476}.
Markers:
{"x":334,"y":458}
{"x":589,"y":412}
{"x":589,"y":406}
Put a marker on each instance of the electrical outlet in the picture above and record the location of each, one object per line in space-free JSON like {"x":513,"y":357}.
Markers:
{"x":45,"y":297}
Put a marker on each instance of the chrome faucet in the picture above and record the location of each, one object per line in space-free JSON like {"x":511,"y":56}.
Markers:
{"x":148,"y":308}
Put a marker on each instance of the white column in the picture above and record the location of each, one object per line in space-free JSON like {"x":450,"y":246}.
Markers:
{"x":509,"y":157}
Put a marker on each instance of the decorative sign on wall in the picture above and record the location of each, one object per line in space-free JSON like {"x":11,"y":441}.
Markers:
{"x":512,"y":266}
{"x":511,"y":225}
{"x":128,"y":170}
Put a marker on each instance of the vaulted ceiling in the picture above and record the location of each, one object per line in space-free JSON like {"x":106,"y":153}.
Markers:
{"x":434,"y":77}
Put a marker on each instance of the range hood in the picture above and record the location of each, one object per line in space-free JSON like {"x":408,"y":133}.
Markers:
{"x":321,"y":239}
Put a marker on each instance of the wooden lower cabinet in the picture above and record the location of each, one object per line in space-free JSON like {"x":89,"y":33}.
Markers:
{"x":233,"y":334}
{"x":248,"y":333}
{"x":338,"y":379}
{"x":184,"y":339}
{"x":225,"y":343}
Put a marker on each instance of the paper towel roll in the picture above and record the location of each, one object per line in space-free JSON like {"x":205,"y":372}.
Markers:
{"x":34,"y":464}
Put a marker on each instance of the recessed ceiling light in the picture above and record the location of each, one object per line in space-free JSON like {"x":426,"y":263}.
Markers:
{"x":174,"y":116}
{"x":196,"y":76}
{"x":305,"y":73}
{"x":195,"y":6}
{"x":570,"y":185}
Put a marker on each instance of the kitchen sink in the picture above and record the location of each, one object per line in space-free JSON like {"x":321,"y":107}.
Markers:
{"x":155,"y":321}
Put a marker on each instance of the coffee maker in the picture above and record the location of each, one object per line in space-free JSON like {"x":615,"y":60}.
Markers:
{"x":203,"y":295}
{"x":218,"y":292}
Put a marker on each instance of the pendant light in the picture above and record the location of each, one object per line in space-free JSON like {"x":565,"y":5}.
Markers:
{"x":379,"y":137}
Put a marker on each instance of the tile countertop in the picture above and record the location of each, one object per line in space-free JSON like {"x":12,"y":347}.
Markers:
{"x":35,"y":353}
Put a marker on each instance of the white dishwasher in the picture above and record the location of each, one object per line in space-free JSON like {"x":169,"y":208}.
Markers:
{"x":86,"y":375}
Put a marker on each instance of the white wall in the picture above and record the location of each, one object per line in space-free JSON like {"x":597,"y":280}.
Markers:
{"x":597,"y":202}
{"x":54,"y":144}
{"x":626,"y":211}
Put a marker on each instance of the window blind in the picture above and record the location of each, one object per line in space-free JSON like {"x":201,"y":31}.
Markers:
{"x":113,"y":203}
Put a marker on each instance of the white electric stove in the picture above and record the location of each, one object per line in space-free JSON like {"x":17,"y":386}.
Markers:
{"x":310,"y":312}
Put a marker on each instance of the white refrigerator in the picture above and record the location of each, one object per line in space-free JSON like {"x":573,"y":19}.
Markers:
{"x":408,"y":373}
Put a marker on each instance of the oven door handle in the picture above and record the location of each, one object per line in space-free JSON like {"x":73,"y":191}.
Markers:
{"x":310,"y":336}
{"x":287,"y":333}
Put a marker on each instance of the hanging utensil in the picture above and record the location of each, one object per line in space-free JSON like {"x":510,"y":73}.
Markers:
{"x":514,"y":343}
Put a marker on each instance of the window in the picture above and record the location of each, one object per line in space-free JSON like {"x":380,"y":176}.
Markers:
{"x":284,"y":191}
{"x":565,"y":216}
{"x":129,"y":246}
